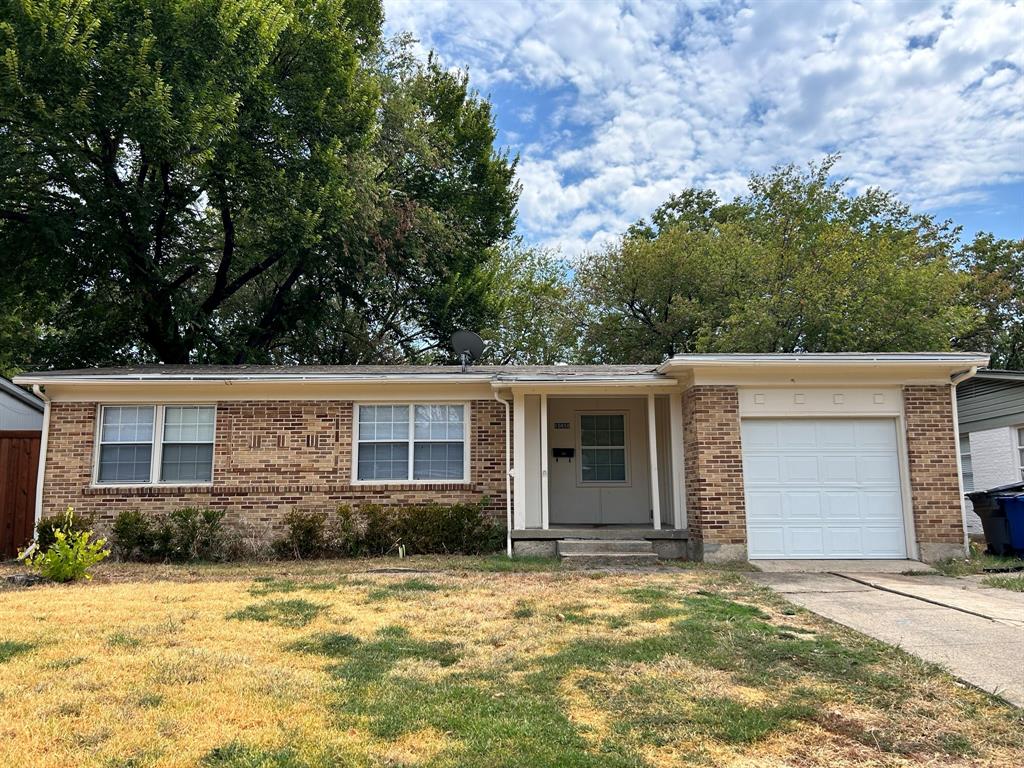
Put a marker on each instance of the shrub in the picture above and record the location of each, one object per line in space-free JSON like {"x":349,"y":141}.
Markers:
{"x":306,"y":535}
{"x":131,"y":535}
{"x":70,"y":556}
{"x":47,"y":527}
{"x":183,"y":535}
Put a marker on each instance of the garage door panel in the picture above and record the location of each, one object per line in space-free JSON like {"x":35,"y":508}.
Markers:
{"x":763,"y":469}
{"x":797,"y":434}
{"x":845,"y":541}
{"x":800,"y":469}
{"x":876,"y":434}
{"x":805,"y":541}
{"x":821,"y":488}
{"x":761,"y":434}
{"x":878,"y":469}
{"x":836,"y":434}
{"x":803,"y":506}
{"x":768,"y":505}
{"x":769,"y":540}
{"x":884,"y":541}
{"x":842,"y":506}
{"x":839,"y":469}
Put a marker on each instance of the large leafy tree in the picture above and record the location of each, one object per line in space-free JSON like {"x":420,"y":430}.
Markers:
{"x":796,"y":264}
{"x":237,"y":180}
{"x":996,"y":288}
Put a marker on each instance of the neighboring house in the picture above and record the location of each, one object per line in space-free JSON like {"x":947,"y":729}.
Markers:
{"x":21,"y":424}
{"x":715,"y":457}
{"x":19,"y":409}
{"x":990,"y":409}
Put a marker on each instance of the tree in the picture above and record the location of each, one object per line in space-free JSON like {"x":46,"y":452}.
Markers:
{"x":533,"y":313}
{"x":796,"y":265}
{"x":246,"y":180}
{"x":996,"y":268}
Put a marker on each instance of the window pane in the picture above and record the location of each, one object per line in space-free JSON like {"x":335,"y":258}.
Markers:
{"x":607,"y":429}
{"x":188,"y":424}
{"x":438,"y":461}
{"x":383,"y":461}
{"x":383,"y":422}
{"x":127,"y":424}
{"x":124,"y":463}
{"x":604,"y":465}
{"x":439,"y":422}
{"x":187,"y":463}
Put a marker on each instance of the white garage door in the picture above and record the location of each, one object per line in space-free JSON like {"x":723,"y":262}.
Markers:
{"x":822,"y":488}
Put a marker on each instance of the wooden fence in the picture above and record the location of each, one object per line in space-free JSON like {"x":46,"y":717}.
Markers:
{"x":19,"y":461}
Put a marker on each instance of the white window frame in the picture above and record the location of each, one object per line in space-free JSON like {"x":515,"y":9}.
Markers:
{"x":580,"y":482}
{"x":1018,"y":434}
{"x":156,"y":456}
{"x":966,"y":458}
{"x":411,"y":439}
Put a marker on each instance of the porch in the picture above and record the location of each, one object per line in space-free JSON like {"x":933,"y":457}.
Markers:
{"x":598,"y":463}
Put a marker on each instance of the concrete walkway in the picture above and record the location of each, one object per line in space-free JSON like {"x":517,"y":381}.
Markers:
{"x":977,"y":633}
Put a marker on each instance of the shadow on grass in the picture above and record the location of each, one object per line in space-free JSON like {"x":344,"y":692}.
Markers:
{"x":11,"y":648}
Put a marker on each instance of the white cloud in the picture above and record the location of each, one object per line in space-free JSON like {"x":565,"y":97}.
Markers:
{"x":645,"y":98}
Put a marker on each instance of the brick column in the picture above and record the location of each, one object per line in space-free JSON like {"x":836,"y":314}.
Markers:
{"x":713,"y":462}
{"x":934,"y":483}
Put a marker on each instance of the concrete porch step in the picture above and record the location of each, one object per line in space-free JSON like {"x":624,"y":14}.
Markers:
{"x":613,"y":547}
{"x":584,"y":553}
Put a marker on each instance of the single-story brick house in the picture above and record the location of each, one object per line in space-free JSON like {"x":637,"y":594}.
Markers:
{"x":716,"y":457}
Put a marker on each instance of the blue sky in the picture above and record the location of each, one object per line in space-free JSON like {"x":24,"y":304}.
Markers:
{"x":612,"y":105}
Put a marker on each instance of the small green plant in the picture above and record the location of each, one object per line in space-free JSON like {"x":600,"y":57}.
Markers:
{"x":184,"y":535}
{"x":47,"y":526}
{"x":131,"y":535}
{"x":1014,"y":583}
{"x":71,"y":555}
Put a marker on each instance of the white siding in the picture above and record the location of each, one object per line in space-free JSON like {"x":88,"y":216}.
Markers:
{"x":14,"y":414}
{"x":993,"y":458}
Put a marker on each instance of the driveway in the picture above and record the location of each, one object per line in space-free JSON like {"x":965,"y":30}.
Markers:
{"x":977,"y":633}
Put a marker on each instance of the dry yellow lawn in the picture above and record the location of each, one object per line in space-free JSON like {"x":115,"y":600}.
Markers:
{"x":323,"y":664}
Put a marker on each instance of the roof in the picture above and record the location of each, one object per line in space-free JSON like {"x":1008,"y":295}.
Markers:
{"x":996,"y":374}
{"x":818,"y":358}
{"x":12,"y":389}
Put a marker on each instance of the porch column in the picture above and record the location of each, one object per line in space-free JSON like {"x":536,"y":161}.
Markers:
{"x":545,"y":513}
{"x":652,"y":440}
{"x":675,"y":411}
{"x":519,"y":460}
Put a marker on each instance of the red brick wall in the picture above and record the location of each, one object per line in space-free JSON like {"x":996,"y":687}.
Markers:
{"x":269,"y":457}
{"x":931,"y":451}
{"x":715,"y":507}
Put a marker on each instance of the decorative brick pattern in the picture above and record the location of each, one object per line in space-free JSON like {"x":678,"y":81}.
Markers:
{"x":715,"y":507}
{"x":934,"y":485}
{"x":269,"y":457}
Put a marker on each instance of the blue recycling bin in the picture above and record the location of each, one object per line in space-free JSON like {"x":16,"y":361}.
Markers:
{"x":1014,"y":508}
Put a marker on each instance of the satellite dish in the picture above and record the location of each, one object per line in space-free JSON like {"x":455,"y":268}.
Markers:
{"x":468,"y":346}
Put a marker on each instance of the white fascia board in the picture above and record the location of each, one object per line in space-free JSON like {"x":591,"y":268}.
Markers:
{"x":256,"y":378}
{"x":952,"y":362}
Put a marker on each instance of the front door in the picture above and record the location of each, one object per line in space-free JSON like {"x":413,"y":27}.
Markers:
{"x":607,"y":480}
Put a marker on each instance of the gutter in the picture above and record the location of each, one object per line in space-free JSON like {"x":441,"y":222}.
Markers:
{"x":256,"y":378}
{"x":956,"y":379}
{"x":508,"y":474}
{"x":41,"y":471}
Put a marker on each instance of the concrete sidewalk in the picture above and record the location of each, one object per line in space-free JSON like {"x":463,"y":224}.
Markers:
{"x":925,"y":616}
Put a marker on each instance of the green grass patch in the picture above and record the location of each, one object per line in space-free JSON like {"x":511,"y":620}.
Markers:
{"x":402,"y":589}
{"x":332,"y":644}
{"x":11,"y":648}
{"x":977,"y":563}
{"x":123,"y":639}
{"x":238,"y":755}
{"x":269,"y":585}
{"x":523,"y":609}
{"x":1012,"y":583}
{"x":296,"y":612}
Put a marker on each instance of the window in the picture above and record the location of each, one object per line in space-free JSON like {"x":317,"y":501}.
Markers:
{"x":1020,"y":451}
{"x":433,"y":436}
{"x":603,"y":447}
{"x":965,"y":463}
{"x":129,"y":452}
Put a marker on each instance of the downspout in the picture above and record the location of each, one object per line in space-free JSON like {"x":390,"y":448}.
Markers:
{"x":508,"y":474}
{"x":41,"y":472}
{"x":956,"y":379}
